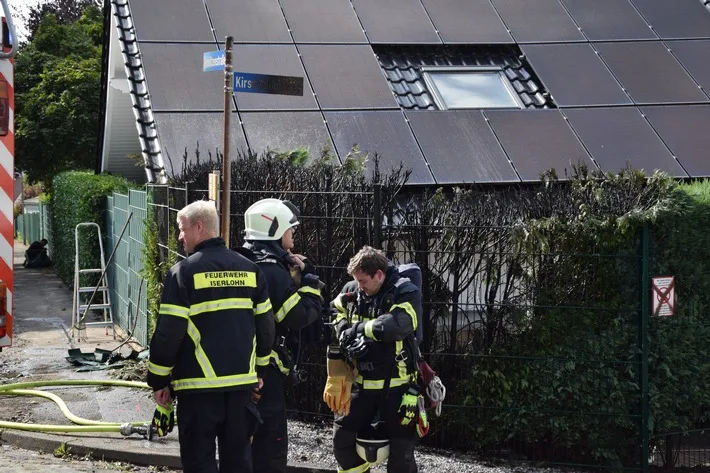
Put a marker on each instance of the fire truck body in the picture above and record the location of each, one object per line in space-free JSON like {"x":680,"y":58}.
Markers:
{"x":7,"y":173}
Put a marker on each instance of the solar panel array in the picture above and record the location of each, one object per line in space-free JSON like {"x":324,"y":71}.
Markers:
{"x":629,"y":81}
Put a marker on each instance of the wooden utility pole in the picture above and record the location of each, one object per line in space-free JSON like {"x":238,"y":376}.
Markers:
{"x":226,"y":165}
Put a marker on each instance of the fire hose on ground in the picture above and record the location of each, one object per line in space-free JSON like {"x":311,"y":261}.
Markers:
{"x":143,"y":428}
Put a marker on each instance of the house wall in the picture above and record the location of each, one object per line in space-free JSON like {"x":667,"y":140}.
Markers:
{"x":472,"y":315}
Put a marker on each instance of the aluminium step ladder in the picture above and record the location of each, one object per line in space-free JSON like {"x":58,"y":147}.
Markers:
{"x":96,"y":297}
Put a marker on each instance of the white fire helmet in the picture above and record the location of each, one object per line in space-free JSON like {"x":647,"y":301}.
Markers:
{"x":268,"y":219}
{"x":372,"y":445}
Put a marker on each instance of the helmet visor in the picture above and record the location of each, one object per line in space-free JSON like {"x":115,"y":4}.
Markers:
{"x":294,"y":211}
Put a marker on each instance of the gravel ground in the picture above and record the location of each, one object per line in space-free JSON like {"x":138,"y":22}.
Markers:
{"x":312,"y":444}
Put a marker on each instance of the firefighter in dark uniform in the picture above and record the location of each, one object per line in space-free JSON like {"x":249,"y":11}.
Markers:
{"x":295,"y":293}
{"x":377,"y":314}
{"x":211,"y":345}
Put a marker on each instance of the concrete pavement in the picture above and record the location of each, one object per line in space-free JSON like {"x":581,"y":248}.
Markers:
{"x":42,"y":338}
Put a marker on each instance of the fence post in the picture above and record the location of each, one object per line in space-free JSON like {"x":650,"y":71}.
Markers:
{"x":24,"y":224}
{"x":377,"y":217}
{"x":422,"y":257}
{"x":643,"y":342}
{"x":41,"y":221}
{"x":456,"y":269}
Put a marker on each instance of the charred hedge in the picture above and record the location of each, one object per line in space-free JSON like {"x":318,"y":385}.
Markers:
{"x":533,"y":295}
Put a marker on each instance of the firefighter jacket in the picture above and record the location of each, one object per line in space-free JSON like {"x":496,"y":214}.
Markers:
{"x":390,"y":319}
{"x":295,"y":305}
{"x":215,"y":326}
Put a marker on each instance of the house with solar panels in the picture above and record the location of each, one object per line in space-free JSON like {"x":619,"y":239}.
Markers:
{"x":461,"y":91}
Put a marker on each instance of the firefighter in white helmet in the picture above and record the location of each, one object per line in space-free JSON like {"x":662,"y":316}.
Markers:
{"x":295,"y":293}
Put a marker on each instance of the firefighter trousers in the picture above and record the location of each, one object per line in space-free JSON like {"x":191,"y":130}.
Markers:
{"x":204,"y":417}
{"x":270,"y":443}
{"x":364,"y":406}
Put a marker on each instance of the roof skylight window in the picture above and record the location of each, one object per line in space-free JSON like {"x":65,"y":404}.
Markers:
{"x":470,"y":87}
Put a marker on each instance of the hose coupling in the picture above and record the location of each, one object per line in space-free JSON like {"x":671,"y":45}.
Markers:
{"x":144,"y":430}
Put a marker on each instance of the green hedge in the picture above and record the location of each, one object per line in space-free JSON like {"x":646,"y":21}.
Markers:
{"x":565,"y":384}
{"x":79,"y":196}
{"x":679,"y":363}
{"x":154,"y":270}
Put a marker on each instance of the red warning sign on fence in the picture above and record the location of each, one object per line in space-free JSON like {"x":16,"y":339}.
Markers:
{"x":663,"y":296}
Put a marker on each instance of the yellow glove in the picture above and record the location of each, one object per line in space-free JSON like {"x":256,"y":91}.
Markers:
{"x":338,"y":385}
{"x":333,"y":392}
{"x":344,"y":408}
{"x":163,"y":419}
{"x":408,"y":406}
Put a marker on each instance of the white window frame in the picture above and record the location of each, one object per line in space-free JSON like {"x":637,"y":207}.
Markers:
{"x":438,"y":99}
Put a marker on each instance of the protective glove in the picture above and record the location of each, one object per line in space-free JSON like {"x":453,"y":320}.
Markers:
{"x":358,"y":347}
{"x":163,"y":420}
{"x":297,"y":273}
{"x":346,"y":393}
{"x":337,"y":390}
{"x":341,"y":302}
{"x":308,"y":267}
{"x":422,"y":419}
{"x":311,"y":280}
{"x":408,"y":406}
{"x":333,"y":392}
{"x":349,"y":334}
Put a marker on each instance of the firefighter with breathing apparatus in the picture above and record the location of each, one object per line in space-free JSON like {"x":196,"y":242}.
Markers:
{"x":372,"y":384}
{"x":295,"y":294}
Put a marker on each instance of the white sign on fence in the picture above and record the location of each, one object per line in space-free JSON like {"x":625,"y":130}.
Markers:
{"x":663,"y":296}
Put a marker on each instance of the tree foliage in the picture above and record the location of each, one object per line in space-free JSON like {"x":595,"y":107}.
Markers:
{"x":57,"y":77}
{"x":66,"y":11}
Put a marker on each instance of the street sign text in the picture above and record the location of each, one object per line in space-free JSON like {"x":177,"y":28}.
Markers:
{"x":213,"y":61}
{"x":268,"y":84}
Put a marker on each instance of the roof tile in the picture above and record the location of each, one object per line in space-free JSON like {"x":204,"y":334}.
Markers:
{"x":527,"y":101}
{"x":424,"y":101}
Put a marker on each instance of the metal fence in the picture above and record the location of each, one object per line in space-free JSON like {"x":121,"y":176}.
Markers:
{"x":33,"y":226}
{"x":481,"y":315}
{"x":27,"y":227}
{"x":129,"y":295}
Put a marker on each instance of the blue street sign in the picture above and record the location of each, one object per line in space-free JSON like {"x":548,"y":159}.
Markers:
{"x":267,"y":84}
{"x":213,"y":61}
